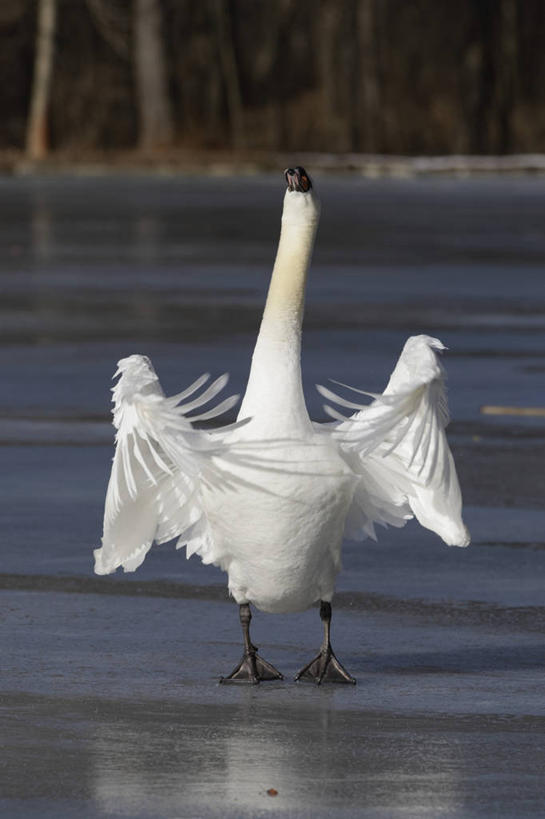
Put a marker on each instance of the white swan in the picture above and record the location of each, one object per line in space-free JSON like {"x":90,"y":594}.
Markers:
{"x":268,"y":499}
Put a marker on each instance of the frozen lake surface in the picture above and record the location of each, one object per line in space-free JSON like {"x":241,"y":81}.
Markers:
{"x":110,"y":702}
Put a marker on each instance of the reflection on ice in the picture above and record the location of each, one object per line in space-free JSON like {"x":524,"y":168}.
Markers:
{"x":147,"y":238}
{"x":224,"y":760}
{"x":41,"y":228}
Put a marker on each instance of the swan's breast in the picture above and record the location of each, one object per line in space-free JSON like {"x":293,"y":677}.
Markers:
{"x":280,"y":516}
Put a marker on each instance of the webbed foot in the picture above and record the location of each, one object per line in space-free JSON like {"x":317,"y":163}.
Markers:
{"x":252,"y":669}
{"x":325,"y":668}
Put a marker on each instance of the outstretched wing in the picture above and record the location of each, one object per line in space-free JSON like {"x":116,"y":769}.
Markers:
{"x":159,"y":459}
{"x":398,"y":445}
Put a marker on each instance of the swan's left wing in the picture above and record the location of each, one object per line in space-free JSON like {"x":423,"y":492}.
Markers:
{"x":158,"y":463}
{"x":398,"y":445}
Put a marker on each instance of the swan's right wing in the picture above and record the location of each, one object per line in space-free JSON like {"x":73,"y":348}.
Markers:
{"x":397,"y":444}
{"x":160,"y":460}
{"x":380,"y":496}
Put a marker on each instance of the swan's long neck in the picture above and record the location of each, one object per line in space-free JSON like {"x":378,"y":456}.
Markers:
{"x":274,"y":395}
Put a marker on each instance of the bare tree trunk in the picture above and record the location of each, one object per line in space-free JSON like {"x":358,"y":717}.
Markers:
{"x":327,"y":73}
{"x":37,"y":137}
{"x":368,"y":108}
{"x":485,"y":80}
{"x":230,"y":72}
{"x":156,"y":128}
{"x":214,"y":100}
{"x":507,"y":73}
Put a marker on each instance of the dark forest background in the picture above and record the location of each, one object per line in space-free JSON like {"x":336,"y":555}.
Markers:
{"x":376,"y":76}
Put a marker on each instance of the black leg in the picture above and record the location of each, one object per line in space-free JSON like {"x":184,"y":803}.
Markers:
{"x":325,"y":667}
{"x":251,"y":669}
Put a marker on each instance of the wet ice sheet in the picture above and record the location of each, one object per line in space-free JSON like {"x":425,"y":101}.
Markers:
{"x":110,"y":700}
{"x":92,"y":270}
{"x":443,"y":722}
{"x":151,"y":760}
{"x":142,"y":647}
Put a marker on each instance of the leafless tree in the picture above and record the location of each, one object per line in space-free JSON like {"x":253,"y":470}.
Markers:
{"x":327,"y":69}
{"x":378,"y":76}
{"x":368,"y":86}
{"x":155,"y":116}
{"x":229,"y":67}
{"x":37,"y":136}
{"x":507,"y":72}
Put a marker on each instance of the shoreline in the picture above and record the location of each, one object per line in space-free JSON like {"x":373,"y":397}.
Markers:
{"x":228,"y":163}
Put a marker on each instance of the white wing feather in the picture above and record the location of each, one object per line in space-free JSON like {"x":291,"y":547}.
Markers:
{"x":158,"y":463}
{"x":397,"y":444}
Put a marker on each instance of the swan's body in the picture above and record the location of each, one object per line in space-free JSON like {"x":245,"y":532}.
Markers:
{"x":269,"y":499}
{"x":282,"y":534}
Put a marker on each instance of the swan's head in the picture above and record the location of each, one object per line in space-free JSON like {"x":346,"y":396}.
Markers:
{"x":301,"y":205}
{"x":298,"y":179}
